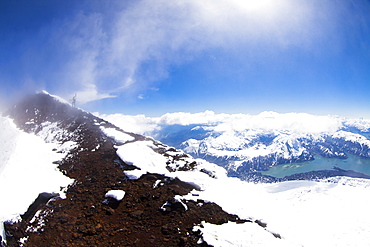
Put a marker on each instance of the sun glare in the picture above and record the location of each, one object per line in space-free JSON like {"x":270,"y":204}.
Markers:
{"x":254,"y":6}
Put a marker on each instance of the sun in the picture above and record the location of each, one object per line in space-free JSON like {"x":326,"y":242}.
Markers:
{"x":254,"y":6}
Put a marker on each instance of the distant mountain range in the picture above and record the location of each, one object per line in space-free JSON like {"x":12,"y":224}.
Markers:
{"x":246,"y":151}
{"x":246,"y":145}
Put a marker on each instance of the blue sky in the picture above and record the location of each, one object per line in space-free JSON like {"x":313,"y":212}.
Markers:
{"x":152,"y":57}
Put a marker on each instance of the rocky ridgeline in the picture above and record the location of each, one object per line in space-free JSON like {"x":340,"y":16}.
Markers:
{"x":149,"y":215}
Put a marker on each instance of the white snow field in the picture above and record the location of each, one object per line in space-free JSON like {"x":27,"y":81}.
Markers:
{"x":26,"y":169}
{"x":330,"y":212}
{"x":305,"y":213}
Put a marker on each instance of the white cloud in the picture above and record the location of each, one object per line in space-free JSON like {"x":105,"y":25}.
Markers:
{"x":90,"y":93}
{"x":141,"y":96}
{"x":76,"y":46}
{"x":186,"y":118}
{"x":138,"y":124}
{"x":269,"y":121}
{"x":126,"y":49}
{"x":265,"y":121}
{"x":161,"y":33}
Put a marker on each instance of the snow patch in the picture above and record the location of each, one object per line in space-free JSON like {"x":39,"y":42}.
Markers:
{"x":67,"y":146}
{"x":157,"y":183}
{"x":232,"y":234}
{"x":116,"y":194}
{"x":179,"y":199}
{"x":51,"y":132}
{"x":119,"y":136}
{"x":141,"y":155}
{"x":8,"y":140}
{"x":352,"y":137}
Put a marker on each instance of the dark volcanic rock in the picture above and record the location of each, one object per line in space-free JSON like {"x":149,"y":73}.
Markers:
{"x":314,"y":175}
{"x":82,"y":219}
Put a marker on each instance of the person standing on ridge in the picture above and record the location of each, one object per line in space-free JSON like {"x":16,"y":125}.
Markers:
{"x":73,"y":100}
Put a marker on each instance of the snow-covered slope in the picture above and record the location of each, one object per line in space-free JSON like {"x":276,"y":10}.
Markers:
{"x":8,"y":137}
{"x":27,"y":169}
{"x":327,"y":213}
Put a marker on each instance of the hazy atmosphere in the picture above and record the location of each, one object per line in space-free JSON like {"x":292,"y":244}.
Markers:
{"x":185,"y":123}
{"x":153,"y":57}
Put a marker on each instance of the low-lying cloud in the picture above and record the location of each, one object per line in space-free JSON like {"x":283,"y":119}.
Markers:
{"x":265,"y":121}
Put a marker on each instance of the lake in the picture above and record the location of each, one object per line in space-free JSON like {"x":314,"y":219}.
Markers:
{"x":320,"y":163}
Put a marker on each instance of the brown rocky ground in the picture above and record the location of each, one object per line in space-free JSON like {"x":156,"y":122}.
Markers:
{"x":82,"y":219}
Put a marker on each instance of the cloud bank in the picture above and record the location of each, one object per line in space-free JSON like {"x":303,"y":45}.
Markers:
{"x":265,"y":121}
